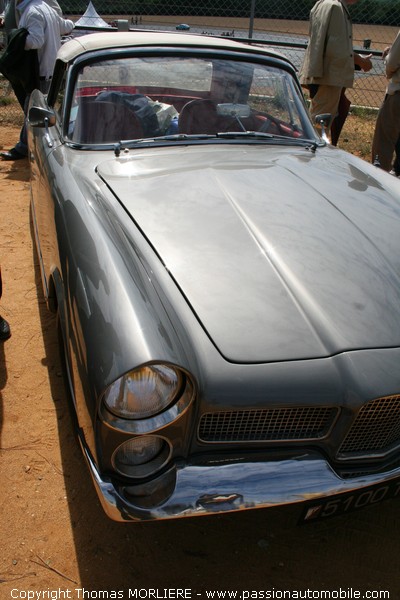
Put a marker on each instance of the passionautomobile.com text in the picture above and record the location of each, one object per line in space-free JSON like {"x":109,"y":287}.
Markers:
{"x":191,"y":594}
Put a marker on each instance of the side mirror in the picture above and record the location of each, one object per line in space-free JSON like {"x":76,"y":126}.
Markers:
{"x":41,"y":117}
{"x":323,"y":123}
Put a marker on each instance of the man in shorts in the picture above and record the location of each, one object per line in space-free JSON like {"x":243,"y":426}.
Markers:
{"x":329,"y":62}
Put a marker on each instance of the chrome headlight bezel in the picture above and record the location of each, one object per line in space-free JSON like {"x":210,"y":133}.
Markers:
{"x":179,"y":405}
{"x":144,"y":392}
{"x":142,"y":468}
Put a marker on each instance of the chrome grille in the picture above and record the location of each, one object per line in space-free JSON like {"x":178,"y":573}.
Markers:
{"x":376,"y":429}
{"x":272,"y":424}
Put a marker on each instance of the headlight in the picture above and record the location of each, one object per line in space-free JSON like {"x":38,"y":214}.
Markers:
{"x":141,"y":456}
{"x":143,"y":392}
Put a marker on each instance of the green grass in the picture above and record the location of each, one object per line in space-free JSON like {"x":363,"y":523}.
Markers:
{"x":358,"y":131}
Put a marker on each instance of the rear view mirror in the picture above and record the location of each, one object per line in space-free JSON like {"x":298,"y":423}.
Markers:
{"x":239,"y":111}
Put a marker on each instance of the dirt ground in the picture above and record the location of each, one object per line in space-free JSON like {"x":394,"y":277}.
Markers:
{"x":55,"y":540}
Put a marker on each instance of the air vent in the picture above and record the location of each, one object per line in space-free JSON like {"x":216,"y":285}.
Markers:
{"x":272,"y":424}
{"x":375,"y":431}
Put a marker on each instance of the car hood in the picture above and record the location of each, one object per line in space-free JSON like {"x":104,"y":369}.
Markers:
{"x":281,"y":254}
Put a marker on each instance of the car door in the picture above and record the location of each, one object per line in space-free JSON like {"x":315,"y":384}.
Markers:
{"x":44,"y":151}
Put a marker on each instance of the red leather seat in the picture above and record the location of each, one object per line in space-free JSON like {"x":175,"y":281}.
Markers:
{"x":101,"y":122}
{"x":198,"y":116}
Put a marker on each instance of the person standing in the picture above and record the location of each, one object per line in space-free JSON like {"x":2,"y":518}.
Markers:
{"x":329,"y":62}
{"x":386,"y":140}
{"x":44,"y":30}
{"x":11,"y":16}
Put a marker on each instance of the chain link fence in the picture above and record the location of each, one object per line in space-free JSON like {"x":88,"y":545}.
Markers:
{"x":281,"y":24}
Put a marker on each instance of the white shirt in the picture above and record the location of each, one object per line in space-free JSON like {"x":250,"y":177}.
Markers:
{"x":393,"y":67}
{"x":45,"y":29}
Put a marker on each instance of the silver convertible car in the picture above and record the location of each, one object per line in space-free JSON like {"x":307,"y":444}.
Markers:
{"x":227,"y":283}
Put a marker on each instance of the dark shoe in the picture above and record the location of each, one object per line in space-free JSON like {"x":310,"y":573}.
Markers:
{"x":5,"y":330}
{"x":12,"y":154}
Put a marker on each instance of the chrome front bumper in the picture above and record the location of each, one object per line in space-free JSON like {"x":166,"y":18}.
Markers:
{"x":226,"y":487}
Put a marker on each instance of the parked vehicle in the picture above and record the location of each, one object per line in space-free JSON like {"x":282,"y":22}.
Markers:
{"x":227,"y":284}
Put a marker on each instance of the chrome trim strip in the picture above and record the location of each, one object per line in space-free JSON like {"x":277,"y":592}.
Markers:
{"x":104,"y":488}
{"x":227,"y":487}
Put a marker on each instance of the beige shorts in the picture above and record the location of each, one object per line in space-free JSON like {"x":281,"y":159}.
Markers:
{"x":326,"y":100}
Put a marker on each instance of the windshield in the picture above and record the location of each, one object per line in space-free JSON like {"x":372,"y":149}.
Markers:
{"x":152,"y":97}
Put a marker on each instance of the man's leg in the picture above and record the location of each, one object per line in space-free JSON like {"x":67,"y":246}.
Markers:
{"x":396,"y":162}
{"x":325,"y":101}
{"x":387,"y":132}
{"x":339,"y":120}
{"x":20,"y":94}
{"x":20,"y":149}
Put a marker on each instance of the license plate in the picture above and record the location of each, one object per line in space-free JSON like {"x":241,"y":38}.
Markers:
{"x":341,"y":504}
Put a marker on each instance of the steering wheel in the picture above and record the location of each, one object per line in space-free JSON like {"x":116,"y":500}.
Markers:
{"x":269,"y":122}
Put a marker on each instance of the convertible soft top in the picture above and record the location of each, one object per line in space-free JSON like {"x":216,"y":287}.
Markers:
{"x":99,"y":41}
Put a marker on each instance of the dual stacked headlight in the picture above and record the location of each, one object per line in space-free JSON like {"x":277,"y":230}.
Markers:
{"x":139,"y":396}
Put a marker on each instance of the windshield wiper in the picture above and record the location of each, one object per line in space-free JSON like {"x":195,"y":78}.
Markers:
{"x":175,"y":137}
{"x":223,"y":135}
{"x":281,"y":139}
{"x":246,"y":134}
{"x":181,"y":136}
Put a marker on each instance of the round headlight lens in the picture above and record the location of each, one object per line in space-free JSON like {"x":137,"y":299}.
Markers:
{"x":143,"y":392}
{"x":141,"y":456}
